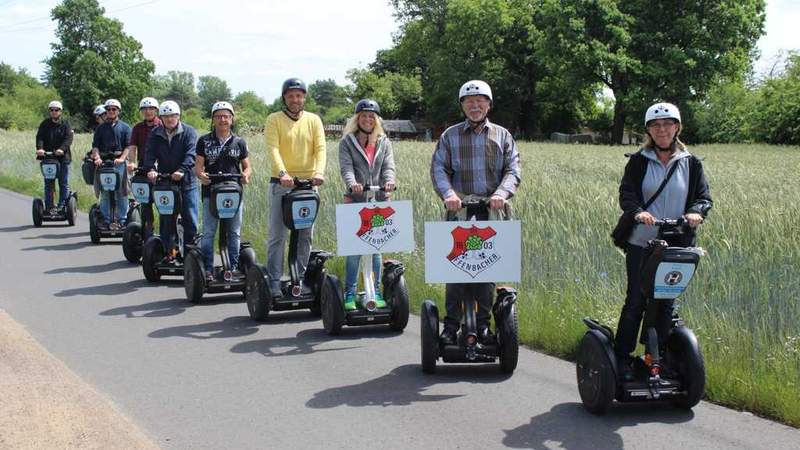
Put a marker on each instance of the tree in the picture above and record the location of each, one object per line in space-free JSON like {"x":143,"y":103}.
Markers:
{"x":23,"y":99}
{"x":776,"y":109}
{"x":251,"y":111}
{"x":210,"y":90}
{"x":94,"y":60}
{"x":648,"y":51}
{"x":177,"y":86}
{"x":398,"y":95}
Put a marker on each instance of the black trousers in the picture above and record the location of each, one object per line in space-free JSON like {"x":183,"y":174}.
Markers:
{"x":634,"y":308}
{"x":483,"y":293}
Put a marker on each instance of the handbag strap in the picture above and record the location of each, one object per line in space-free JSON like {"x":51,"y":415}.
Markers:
{"x":663,"y":185}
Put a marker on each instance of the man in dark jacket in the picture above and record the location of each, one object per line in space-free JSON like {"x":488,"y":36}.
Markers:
{"x":55,"y":135}
{"x":173,"y":147}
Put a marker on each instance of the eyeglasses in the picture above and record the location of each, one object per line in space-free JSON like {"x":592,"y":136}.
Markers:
{"x":222,"y":116}
{"x":111,"y":108}
{"x":54,"y":109}
{"x":667,"y":124}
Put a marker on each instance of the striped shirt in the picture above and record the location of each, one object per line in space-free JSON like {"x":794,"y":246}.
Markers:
{"x":482,"y":162}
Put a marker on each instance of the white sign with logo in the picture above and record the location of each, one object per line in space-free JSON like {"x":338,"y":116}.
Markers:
{"x":473,"y":252}
{"x":375,"y":227}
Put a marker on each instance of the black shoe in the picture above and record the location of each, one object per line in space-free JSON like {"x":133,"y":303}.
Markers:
{"x":448,"y":336}
{"x":625,"y":367}
{"x":485,"y":336}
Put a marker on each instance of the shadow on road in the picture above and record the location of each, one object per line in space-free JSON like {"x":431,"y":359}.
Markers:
{"x":570,"y":426}
{"x":98,"y":268}
{"x":403,"y":386}
{"x":304,"y":343}
{"x":227,"y":328}
{"x":58,"y":236}
{"x":15,"y":228}
{"x":70,"y":246}
{"x":161,"y":308}
{"x":115,"y":288}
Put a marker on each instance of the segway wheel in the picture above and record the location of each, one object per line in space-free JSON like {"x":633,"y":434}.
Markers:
{"x":247,"y":259}
{"x":72,"y":209}
{"x":194,"y":277}
{"x":596,"y":379}
{"x":152,"y":254}
{"x":256,"y":294}
{"x":94,"y":234}
{"x":692,"y":371}
{"x":132,"y":241}
{"x":332,"y":305}
{"x":509,"y":340}
{"x":38,"y":211}
{"x":399,"y":305}
{"x":429,"y":333}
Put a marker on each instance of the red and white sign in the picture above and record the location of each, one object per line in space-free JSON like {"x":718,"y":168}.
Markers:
{"x":472,"y":252}
{"x":379,"y":227}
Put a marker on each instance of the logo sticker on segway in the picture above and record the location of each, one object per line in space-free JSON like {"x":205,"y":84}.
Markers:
{"x":473,"y":249}
{"x":377,"y":226}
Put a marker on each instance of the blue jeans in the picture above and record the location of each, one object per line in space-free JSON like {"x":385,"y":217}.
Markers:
{"x":122,"y":200}
{"x":210,"y":230}
{"x":352,"y":263}
{"x":167,"y":225}
{"x":63,"y":186}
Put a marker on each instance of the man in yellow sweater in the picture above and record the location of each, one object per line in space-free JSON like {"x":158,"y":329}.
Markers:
{"x":296,"y":144}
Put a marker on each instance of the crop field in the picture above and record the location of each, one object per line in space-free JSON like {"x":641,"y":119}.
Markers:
{"x":744,"y":303}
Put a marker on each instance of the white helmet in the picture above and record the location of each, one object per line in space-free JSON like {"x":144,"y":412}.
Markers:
{"x":113,"y":102}
{"x":148,"y":102}
{"x":99,"y":110}
{"x":474,"y":87}
{"x":221,"y":105}
{"x":662,"y":111}
{"x":169,"y":108}
{"x":55,"y":104}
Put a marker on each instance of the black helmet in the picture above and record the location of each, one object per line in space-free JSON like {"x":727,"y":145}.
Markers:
{"x":368,"y":105}
{"x":293,"y":83}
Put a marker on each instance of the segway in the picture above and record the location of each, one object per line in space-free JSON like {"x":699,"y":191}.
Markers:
{"x":675,"y":373}
{"x":157,"y":259}
{"x":367,"y":312}
{"x":136,"y":232}
{"x":226,"y":198}
{"x":299,"y":208}
{"x":468,"y":349}
{"x":50,"y":168}
{"x":110,"y":181}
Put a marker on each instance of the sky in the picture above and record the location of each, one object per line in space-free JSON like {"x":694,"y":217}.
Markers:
{"x":255,"y":45}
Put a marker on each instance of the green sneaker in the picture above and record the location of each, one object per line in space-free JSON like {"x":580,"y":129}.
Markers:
{"x":379,"y":302}
{"x":350,"y":302}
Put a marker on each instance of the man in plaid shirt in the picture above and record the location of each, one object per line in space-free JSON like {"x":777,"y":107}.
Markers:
{"x":480,"y":158}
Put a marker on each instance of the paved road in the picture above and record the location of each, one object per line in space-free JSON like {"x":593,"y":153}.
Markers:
{"x":207,"y":377}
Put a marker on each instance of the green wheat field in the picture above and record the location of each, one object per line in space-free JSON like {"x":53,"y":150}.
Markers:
{"x":744,"y":303}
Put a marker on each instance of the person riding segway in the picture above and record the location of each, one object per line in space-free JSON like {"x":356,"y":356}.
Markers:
{"x":296,"y":143}
{"x":473,"y":145}
{"x":660,"y":260}
{"x":53,"y":141}
{"x":223,"y":167}
{"x":136,"y":232}
{"x":172,"y":147}
{"x":111,"y":138}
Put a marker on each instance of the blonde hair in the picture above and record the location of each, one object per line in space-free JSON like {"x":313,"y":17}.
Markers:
{"x":677,"y":145}
{"x":352,"y":128}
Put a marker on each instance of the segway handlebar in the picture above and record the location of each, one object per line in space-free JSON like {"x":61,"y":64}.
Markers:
{"x":221,"y":175}
{"x":679,"y":222}
{"x":371,"y":188}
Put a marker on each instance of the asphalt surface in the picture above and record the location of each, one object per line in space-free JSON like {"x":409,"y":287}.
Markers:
{"x":206,"y":376}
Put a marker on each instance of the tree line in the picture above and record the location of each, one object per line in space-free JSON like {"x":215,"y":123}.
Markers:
{"x":554,"y":65}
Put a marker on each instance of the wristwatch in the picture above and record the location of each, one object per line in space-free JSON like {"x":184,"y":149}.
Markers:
{"x":282,"y":174}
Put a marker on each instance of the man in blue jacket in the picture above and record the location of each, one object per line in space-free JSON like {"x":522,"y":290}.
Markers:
{"x":171,"y":146}
{"x":111,"y":138}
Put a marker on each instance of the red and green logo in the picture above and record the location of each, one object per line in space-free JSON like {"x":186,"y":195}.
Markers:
{"x":473,"y":249}
{"x":377,"y":226}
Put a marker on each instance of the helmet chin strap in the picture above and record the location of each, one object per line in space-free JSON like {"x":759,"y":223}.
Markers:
{"x":365,"y":131}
